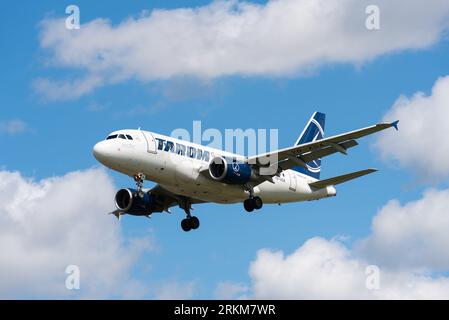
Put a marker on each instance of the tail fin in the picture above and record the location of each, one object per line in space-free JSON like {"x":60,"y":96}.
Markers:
{"x":313,"y":131}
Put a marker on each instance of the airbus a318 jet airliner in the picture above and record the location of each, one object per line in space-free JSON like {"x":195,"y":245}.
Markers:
{"x":188,"y":173}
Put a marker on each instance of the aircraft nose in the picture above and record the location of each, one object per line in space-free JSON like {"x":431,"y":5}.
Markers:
{"x":100,"y":151}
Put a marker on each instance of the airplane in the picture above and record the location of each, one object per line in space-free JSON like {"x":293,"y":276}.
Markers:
{"x":186,"y":173}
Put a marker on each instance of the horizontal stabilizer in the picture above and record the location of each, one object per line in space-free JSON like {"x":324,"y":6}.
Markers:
{"x":340,"y":179}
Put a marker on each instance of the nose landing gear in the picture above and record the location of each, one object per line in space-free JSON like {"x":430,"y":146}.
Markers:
{"x":139,"y":179}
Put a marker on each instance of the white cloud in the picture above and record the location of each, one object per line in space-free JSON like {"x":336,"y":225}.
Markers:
{"x":322,"y":269}
{"x":174,"y":290}
{"x":408,"y":243}
{"x":421,"y":143}
{"x":279,"y":38}
{"x":318,"y":269}
{"x":411,"y":236}
{"x":47,"y":225}
{"x":14,"y":126}
{"x":227,"y":290}
{"x":66,"y":89}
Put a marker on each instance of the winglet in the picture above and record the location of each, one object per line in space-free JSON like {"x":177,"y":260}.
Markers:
{"x":395,"y":125}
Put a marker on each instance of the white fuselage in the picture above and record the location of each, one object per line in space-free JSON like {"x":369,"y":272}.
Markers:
{"x":176,"y":164}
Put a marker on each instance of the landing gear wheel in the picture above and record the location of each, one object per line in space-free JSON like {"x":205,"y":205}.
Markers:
{"x":186,"y":225}
{"x":258,"y":203}
{"x":194,"y":223}
{"x":190,"y":223}
{"x":249,"y":205}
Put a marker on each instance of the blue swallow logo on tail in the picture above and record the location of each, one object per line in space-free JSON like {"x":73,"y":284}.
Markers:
{"x":313,"y":131}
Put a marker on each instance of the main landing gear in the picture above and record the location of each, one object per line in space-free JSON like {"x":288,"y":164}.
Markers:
{"x":252,"y":203}
{"x":190,"y":222}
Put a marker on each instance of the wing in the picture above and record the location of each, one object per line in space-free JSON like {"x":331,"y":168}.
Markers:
{"x":167,"y":199}
{"x":304,"y":153}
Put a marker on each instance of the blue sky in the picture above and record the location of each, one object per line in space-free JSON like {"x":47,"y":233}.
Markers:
{"x":59,"y":135}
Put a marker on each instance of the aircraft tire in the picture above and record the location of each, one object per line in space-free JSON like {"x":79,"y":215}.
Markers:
{"x":258,"y":203}
{"x":194,"y":223}
{"x":186,"y":225}
{"x":249,"y":204}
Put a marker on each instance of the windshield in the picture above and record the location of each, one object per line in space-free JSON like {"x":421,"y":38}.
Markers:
{"x":119,"y":136}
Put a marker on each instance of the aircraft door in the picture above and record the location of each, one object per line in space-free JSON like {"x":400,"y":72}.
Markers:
{"x":293,"y":182}
{"x":151,"y":142}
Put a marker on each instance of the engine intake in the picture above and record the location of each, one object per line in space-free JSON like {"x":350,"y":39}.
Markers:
{"x":230,"y":171}
{"x":129,"y":201}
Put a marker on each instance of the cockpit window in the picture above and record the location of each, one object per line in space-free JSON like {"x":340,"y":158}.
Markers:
{"x":119,"y":136}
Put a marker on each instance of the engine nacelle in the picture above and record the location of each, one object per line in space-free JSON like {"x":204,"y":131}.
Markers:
{"x":129,"y":201}
{"x":230,"y":172}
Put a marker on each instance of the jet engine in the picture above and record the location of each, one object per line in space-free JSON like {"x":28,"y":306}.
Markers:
{"x":230,"y":171}
{"x":129,"y":201}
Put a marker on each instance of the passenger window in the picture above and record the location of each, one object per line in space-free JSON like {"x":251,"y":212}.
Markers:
{"x":129,"y":137}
